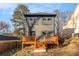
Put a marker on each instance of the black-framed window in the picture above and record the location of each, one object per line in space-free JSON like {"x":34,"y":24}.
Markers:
{"x":47,"y":21}
{"x":33,"y":20}
{"x":44,"y":19}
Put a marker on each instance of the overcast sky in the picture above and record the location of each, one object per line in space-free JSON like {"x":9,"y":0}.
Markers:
{"x":6,"y":10}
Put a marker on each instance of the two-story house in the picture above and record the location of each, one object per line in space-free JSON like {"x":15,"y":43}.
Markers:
{"x":41,"y":23}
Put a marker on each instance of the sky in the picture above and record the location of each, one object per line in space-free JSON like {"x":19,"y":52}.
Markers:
{"x":6,"y":9}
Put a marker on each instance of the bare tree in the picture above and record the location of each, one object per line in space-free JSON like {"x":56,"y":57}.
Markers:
{"x":62,"y":17}
{"x":4,"y":27}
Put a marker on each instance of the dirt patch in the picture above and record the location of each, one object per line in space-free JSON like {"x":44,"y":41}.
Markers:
{"x":73,"y":47}
{"x":27,"y":51}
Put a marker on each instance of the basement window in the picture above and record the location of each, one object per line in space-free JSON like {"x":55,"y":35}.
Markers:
{"x":32,"y":33}
{"x":47,"y":33}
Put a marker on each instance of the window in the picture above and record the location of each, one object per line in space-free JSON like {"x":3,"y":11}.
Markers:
{"x":47,"y":33}
{"x":32,"y":33}
{"x":31,"y":19}
{"x":47,"y":21}
{"x":44,"y":19}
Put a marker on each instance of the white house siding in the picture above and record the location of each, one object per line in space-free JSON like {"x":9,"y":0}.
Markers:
{"x":77,"y":26}
{"x":73,"y":22}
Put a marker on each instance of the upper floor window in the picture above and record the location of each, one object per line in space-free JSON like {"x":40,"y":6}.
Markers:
{"x":47,"y":18}
{"x":31,"y":19}
{"x":44,"y":19}
{"x":47,"y":21}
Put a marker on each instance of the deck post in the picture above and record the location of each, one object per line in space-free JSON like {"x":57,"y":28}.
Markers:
{"x":22,"y":43}
{"x":35,"y":43}
{"x":44,"y":42}
{"x":22,"y":47}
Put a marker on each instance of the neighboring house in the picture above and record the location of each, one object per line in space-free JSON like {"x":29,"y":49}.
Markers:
{"x":41,"y":23}
{"x":72,"y":26}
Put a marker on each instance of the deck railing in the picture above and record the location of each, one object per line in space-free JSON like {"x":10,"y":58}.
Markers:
{"x":39,"y":44}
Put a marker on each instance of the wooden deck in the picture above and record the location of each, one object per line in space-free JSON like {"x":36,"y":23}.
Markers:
{"x":39,"y":45}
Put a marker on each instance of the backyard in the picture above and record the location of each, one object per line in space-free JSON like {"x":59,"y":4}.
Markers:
{"x":69,"y":48}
